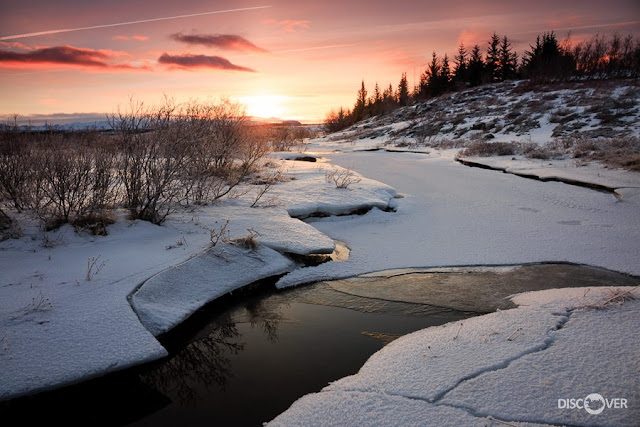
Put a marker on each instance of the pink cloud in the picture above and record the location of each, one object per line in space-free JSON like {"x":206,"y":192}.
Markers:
{"x":289,"y":25}
{"x":15,"y":45}
{"x":222,"y":41}
{"x":63,"y":55}
{"x":200,"y":61}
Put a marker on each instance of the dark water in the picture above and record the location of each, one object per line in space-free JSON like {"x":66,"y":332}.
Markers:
{"x":255,"y":359}
{"x":240,"y":361}
{"x":246,"y":358}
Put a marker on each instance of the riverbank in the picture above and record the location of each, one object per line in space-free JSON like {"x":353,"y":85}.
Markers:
{"x":58,"y":327}
{"x":522,"y":365}
{"x":65,"y":314}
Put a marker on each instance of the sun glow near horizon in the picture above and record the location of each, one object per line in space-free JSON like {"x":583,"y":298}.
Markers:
{"x":265,"y":106}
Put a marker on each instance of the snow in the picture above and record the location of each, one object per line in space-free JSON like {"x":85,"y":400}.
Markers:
{"x":171,"y":296}
{"x":60,"y":325}
{"x":510,"y":366}
{"x":454,"y":215}
{"x":310,"y":193}
{"x":565,"y":169}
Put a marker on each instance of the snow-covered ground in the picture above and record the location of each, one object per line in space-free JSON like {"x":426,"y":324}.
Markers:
{"x":505,"y":112}
{"x":58,"y":327}
{"x":510,"y":367}
{"x":457,"y":215}
{"x":64,"y":309}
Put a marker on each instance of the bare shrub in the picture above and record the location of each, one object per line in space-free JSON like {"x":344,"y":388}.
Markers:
{"x":265,"y":184}
{"x":152,"y":159}
{"x":219,"y":234}
{"x":225,"y":150}
{"x":342,"y":178}
{"x":17,"y":168}
{"x":94,"y":266}
{"x":285,"y":137}
{"x":486,"y":149}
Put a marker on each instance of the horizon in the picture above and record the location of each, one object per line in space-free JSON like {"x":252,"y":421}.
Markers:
{"x":281,"y":59}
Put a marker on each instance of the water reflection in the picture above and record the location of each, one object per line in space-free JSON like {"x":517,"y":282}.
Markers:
{"x":202,"y":364}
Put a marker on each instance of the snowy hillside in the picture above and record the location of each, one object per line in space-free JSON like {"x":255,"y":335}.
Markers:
{"x":505,"y":112}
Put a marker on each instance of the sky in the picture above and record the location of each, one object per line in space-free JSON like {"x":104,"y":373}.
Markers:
{"x":291,"y":59}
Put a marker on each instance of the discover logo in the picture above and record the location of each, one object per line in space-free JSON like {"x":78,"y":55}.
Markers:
{"x":594,"y":403}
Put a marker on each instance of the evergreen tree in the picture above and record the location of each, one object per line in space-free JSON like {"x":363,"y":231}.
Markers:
{"x":432,"y":77}
{"x":375,"y":102}
{"x":492,"y":63}
{"x":361,"y":104}
{"x":389,"y":101}
{"x":508,"y":61}
{"x":445,"y":74}
{"x":476,"y":67}
{"x":403,"y":91}
{"x":460,"y":72}
{"x":547,"y":60}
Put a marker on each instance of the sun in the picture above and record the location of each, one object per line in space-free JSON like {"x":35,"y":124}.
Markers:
{"x":264,"y":106}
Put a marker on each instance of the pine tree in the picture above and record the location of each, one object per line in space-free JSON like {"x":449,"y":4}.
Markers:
{"x":361,"y":104}
{"x":389,"y":100}
{"x":403,"y":91}
{"x":547,"y":60}
{"x":445,"y":74}
{"x":492,"y":63}
{"x":508,"y":61}
{"x":461,"y":68}
{"x":375,"y":102}
{"x":476,"y":67}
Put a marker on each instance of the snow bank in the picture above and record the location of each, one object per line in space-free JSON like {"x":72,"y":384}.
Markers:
{"x":592,"y":173}
{"x":64,"y":313}
{"x":510,"y":366}
{"x":171,"y":296}
{"x":455,"y":215}
{"x":310,"y":193}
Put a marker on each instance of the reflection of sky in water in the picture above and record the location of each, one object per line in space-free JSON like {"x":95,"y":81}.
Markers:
{"x":259,"y":356}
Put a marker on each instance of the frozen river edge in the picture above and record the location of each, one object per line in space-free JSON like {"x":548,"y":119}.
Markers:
{"x":329,"y":226}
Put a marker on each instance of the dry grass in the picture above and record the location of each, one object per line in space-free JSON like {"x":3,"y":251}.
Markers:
{"x":616,"y":297}
{"x":250,"y":241}
{"x":487,"y":149}
{"x":622,"y":152}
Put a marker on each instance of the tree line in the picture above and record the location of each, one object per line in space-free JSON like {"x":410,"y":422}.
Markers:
{"x":547,"y":60}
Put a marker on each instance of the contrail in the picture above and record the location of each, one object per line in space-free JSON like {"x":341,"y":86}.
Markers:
{"x":118,"y":24}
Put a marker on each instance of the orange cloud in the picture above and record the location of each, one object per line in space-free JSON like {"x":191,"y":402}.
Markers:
{"x":289,"y":25}
{"x":134,"y":37}
{"x":200,"y":61}
{"x":470,"y":38}
{"x":62,"y":55}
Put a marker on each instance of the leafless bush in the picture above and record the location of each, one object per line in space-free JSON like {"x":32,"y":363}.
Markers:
{"x":18,"y":167}
{"x":486,"y":149}
{"x":153,"y":157}
{"x":94,"y":267}
{"x":342,"y":177}
{"x":219,"y":234}
{"x":265,"y":184}
{"x":284,"y":137}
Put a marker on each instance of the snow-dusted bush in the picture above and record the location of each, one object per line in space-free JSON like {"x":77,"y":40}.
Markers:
{"x":342,"y":178}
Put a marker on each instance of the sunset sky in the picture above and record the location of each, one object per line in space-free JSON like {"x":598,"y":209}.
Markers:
{"x":287,"y":58}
